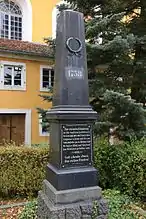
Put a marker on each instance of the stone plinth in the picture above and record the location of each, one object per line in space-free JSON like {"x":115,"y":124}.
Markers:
{"x":70,"y":204}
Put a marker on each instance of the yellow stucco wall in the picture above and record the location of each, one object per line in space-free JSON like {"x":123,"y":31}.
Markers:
{"x":42,"y":18}
{"x":28,"y":99}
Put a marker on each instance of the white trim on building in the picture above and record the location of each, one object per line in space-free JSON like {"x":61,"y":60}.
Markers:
{"x":55,"y":12}
{"x":26,"y":8}
{"x":43,"y":89}
{"x":23,"y":76}
{"x":27,"y":113}
{"x":11,"y":20}
{"x":41,"y":133}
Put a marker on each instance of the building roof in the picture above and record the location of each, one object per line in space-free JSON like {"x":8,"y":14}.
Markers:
{"x":25,"y":48}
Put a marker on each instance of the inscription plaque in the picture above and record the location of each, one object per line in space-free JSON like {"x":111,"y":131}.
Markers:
{"x":76,"y":145}
{"x":74,"y":73}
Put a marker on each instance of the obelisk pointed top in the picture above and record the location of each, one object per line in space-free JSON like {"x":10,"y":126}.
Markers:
{"x":71,"y":78}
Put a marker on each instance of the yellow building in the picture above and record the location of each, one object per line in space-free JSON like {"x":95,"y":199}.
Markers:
{"x":26,"y":68}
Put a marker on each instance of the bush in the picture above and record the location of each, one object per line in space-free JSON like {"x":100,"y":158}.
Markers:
{"x":40,"y":145}
{"x":22,"y":170}
{"x":122,"y":166}
{"x":120,"y":206}
{"x":29,"y":211}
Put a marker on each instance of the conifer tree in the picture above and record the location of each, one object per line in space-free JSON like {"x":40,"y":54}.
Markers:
{"x":117,"y":63}
{"x":116,"y":52}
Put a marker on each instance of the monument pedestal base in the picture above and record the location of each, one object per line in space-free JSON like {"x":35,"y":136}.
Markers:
{"x":70,"y":204}
{"x":63,"y":179}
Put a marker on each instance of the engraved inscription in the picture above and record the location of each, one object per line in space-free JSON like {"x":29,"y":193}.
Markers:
{"x":74,"y":73}
{"x":76,"y":140}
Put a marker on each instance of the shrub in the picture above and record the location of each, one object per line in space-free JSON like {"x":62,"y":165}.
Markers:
{"x":122,"y":166}
{"x":120,"y":206}
{"x":40,"y":145}
{"x":29,"y":211}
{"x":22,"y":170}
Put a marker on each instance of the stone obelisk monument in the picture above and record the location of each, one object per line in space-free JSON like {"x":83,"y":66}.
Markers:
{"x":70,"y":187}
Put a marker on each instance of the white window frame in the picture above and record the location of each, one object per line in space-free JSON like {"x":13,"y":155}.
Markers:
{"x":41,"y":77}
{"x":26,"y":7}
{"x":41,"y":133}
{"x":10,"y":14}
{"x":10,"y":87}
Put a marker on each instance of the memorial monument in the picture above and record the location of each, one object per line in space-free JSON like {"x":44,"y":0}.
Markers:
{"x":70,"y":187}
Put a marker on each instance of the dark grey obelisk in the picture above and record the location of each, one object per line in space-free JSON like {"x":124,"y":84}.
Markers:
{"x":71,"y":180}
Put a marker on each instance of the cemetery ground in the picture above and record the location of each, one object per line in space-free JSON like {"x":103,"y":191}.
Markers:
{"x":122,"y":176}
{"x":120,"y":207}
{"x":11,"y":208}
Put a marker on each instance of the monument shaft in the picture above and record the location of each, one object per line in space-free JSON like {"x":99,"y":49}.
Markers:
{"x":71,"y":117}
{"x":71,"y":180}
{"x":71,"y":78}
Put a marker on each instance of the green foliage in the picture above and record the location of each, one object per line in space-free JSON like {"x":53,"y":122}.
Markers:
{"x":120,"y":66}
{"x":95,"y":210}
{"x":43,"y":112}
{"x":120,"y":206}
{"x":41,"y":145}
{"x":117,"y":76}
{"x":29,"y":211}
{"x":130,"y":121}
{"x":22,"y":170}
{"x":122,"y":166}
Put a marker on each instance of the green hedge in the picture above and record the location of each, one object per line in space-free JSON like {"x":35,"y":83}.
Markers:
{"x":122,"y":166}
{"x":22,"y":170}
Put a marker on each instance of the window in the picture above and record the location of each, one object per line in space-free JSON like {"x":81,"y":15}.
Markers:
{"x":12,"y":76}
{"x":10,"y":20}
{"x":47,"y":78}
{"x":43,"y":130}
{"x":16,"y":19}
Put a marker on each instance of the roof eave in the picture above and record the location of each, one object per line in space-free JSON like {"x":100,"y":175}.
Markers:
{"x":25,"y":55}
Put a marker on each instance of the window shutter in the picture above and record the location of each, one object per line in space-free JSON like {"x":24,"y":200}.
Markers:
{"x":24,"y":77}
{"x":1,"y":75}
